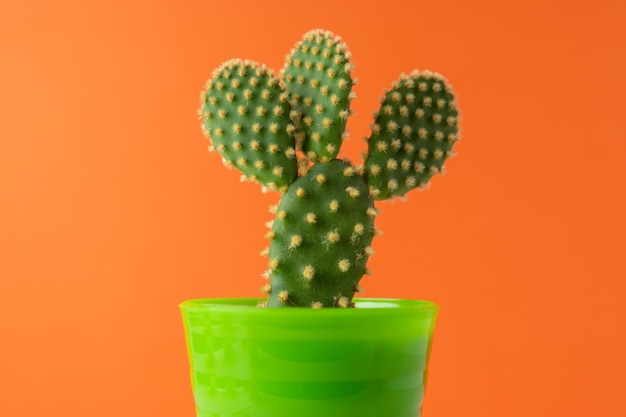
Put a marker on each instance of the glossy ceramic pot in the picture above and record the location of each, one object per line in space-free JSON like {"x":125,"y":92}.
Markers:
{"x":367,"y":361}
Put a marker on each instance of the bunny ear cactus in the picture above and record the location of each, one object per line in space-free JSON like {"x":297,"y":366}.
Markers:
{"x":286,"y":131}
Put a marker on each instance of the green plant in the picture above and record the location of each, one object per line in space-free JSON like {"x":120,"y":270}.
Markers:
{"x":285,"y":131}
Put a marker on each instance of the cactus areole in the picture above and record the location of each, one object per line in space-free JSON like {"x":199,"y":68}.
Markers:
{"x":285,"y":131}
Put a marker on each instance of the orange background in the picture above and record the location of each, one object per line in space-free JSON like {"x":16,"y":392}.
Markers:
{"x":112,"y":211}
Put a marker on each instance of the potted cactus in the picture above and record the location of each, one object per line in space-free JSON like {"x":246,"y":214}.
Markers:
{"x":311,"y":349}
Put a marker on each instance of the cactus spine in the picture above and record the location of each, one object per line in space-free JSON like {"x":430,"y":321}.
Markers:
{"x":285,"y":131}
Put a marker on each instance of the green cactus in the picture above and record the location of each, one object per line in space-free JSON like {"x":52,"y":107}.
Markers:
{"x":285,"y":132}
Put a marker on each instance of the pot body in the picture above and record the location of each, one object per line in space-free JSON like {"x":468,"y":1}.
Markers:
{"x":367,"y":361}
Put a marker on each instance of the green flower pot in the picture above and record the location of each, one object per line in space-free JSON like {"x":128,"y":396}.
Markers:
{"x":367,"y":361}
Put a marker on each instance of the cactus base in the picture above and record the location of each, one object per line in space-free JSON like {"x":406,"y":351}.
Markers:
{"x":256,"y":362}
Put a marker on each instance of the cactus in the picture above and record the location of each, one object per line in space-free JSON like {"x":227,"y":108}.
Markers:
{"x":285,"y":131}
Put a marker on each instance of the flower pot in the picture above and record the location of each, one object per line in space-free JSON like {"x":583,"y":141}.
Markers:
{"x":367,"y":361}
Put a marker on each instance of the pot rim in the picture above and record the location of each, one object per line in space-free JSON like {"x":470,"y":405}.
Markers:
{"x":363,"y":306}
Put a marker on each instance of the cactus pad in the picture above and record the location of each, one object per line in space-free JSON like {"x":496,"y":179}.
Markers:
{"x":412,"y":134}
{"x":317,"y":76}
{"x":321,"y":237}
{"x":246,"y":114}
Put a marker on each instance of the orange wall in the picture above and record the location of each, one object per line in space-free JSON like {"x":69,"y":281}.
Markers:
{"x":112,"y":211}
